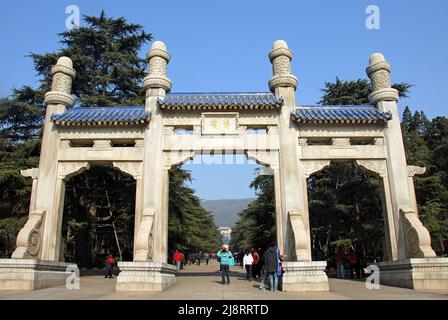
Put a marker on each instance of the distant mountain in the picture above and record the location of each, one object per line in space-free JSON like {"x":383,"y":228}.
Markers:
{"x":225,"y":212}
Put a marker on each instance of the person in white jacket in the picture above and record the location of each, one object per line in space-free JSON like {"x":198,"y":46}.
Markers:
{"x":248,"y":260}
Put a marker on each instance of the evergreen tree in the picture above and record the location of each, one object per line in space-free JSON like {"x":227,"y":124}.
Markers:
{"x":191,"y":227}
{"x":256,"y":225}
{"x":353,"y":92}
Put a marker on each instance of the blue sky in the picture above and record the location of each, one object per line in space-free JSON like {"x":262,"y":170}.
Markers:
{"x":223,"y":46}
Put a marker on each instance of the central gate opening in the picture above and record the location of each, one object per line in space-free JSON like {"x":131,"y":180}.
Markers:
{"x":244,"y":213}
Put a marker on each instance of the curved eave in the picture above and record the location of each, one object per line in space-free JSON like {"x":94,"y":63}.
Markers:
{"x":218,"y":107}
{"x":358,"y":115}
{"x":220,"y":101}
{"x":353,"y":121}
{"x":102,"y":123}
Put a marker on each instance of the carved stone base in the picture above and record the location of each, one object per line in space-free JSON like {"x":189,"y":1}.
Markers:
{"x":305,"y":276}
{"x":420,"y":274}
{"x":32,"y":274}
{"x":145,"y":276}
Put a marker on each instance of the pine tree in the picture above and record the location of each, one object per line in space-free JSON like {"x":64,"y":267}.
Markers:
{"x":256,"y":225}
{"x":191,"y":227}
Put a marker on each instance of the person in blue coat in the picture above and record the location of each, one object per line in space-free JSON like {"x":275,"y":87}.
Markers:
{"x":225,"y":260}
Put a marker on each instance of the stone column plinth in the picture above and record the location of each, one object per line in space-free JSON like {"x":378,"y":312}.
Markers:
{"x":145,"y":276}
{"x":31,"y":274}
{"x":305,"y":276}
{"x":419,"y":273}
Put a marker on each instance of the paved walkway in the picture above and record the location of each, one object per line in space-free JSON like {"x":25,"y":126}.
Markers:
{"x":203,"y":283}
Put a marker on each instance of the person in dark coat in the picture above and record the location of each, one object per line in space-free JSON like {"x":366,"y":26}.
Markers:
{"x":270,"y":264}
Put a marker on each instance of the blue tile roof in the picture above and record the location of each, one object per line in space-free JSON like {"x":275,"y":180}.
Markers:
{"x":200,"y":101}
{"x":340,"y":114}
{"x":102,"y":116}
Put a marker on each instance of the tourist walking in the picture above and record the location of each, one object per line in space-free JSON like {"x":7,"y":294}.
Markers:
{"x":280,"y":272}
{"x":270,"y":264}
{"x":177,"y":259}
{"x":199,"y":258}
{"x":207,"y":258}
{"x":256,"y":265}
{"x":192,"y":259}
{"x":353,"y":263}
{"x":340,"y":263}
{"x":182,"y":261}
{"x":248,"y":260}
{"x":225,"y":261}
{"x":109,"y":266}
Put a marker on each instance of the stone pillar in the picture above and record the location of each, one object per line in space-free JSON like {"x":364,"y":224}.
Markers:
{"x":39,"y":240}
{"x":417,"y":266}
{"x":301,"y":274}
{"x":407,"y":224}
{"x":283,"y":84}
{"x":379,"y":167}
{"x":57,"y":100}
{"x":149,"y":271}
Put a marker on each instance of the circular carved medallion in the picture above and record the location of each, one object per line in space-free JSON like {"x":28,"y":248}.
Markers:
{"x":34,"y":243}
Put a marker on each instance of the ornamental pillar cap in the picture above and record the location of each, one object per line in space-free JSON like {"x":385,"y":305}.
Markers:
{"x":281,"y":57}
{"x":65,"y":66}
{"x":158,"y":58}
{"x":379,"y":73}
{"x":279,"y":44}
{"x":65,"y":61}
{"x":376,"y":57}
{"x":63,"y":75}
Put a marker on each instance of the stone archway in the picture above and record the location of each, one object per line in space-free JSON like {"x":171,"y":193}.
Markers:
{"x":142,"y":141}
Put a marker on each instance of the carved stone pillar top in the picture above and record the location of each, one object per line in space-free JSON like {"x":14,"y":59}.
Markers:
{"x":63,"y":75}
{"x":379,"y":74}
{"x":281,"y":57}
{"x":158,"y":58}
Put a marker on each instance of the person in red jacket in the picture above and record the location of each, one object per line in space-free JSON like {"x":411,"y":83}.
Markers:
{"x":256,"y":265}
{"x":177,"y":258}
{"x":353,"y":263}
